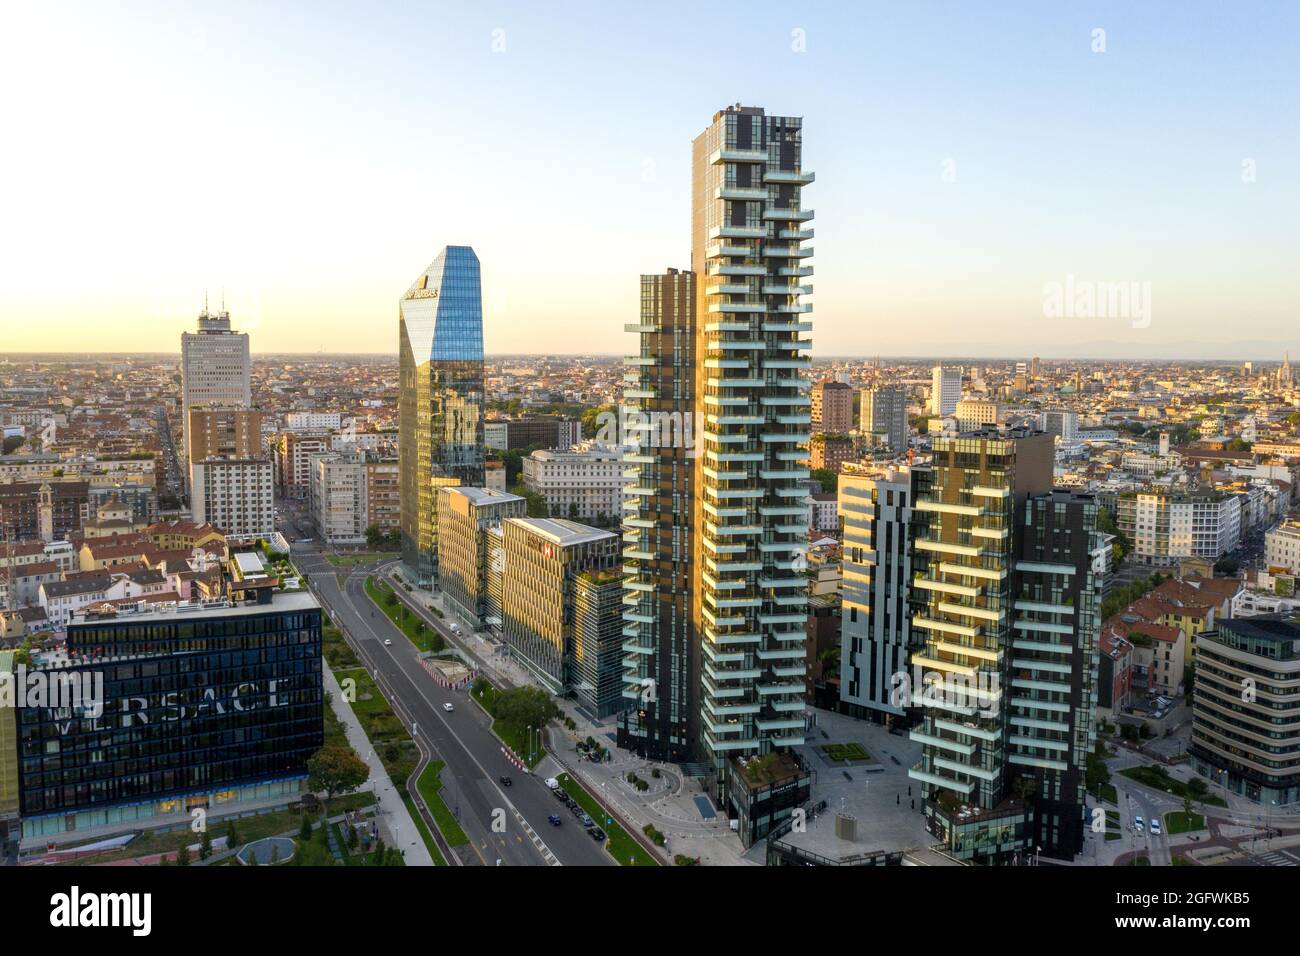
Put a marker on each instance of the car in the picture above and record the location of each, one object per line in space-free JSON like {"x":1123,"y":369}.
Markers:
{"x":388,"y":643}
{"x":554,"y":820}
{"x":1155,"y":825}
{"x":447,"y":707}
{"x":506,"y":781}
{"x":587,"y":821}
{"x":597,"y":834}
{"x":577,"y":810}
{"x":1138,"y":824}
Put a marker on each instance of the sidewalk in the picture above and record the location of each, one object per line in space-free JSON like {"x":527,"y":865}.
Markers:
{"x":391,"y":811}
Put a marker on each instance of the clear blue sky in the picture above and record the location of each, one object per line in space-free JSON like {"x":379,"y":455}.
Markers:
{"x":312,"y":158}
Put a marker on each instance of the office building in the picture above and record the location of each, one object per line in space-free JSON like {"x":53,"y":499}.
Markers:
{"x":832,"y":407}
{"x":440,"y":399}
{"x":945,"y":389}
{"x":1249,"y":743}
{"x":972,"y":414}
{"x":1006,"y":679}
{"x":884,"y":413}
{"x":662,"y":666}
{"x":583,"y":484}
{"x":235,"y":495}
{"x":465,"y":515}
{"x":216,"y":705}
{"x":596,"y":675}
{"x":877,"y":509}
{"x":338,"y":499}
{"x":312,"y":421}
{"x":215,"y":369}
{"x":543,"y":557}
{"x":749,"y":523}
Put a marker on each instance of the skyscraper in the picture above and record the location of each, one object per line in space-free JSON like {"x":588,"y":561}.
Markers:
{"x":661,"y":666}
{"x":832,"y":407}
{"x":215,"y":370}
{"x":878,"y":508}
{"x":749,"y":523}
{"x":884,"y":412}
{"x":440,"y":399}
{"x":945,"y":389}
{"x":1010,"y":616}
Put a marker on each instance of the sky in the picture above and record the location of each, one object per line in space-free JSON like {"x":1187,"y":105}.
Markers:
{"x":307,"y":161}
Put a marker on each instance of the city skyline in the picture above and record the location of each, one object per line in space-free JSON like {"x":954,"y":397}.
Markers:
{"x":953,"y":200}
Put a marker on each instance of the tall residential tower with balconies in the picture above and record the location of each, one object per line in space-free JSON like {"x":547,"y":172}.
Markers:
{"x":748,"y":521}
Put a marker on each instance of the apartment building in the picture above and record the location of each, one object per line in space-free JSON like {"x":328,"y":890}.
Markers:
{"x":294,"y":451}
{"x":1165,"y":526}
{"x":832,"y":407}
{"x":383,"y":493}
{"x":884,"y":413}
{"x":945,"y":389}
{"x":1282,"y":547}
{"x":235,"y":495}
{"x":338,"y":499}
{"x":877,"y":509}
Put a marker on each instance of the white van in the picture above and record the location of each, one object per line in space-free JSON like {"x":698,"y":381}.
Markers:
{"x":552,"y":783}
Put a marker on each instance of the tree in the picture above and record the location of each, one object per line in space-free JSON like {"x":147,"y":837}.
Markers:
{"x":232,"y":835}
{"x":183,"y":856}
{"x":336,"y":769}
{"x":275,"y":853}
{"x":828,"y":479}
{"x":205,"y":845}
{"x":524,"y":707}
{"x":304,"y":829}
{"x":374,"y":537}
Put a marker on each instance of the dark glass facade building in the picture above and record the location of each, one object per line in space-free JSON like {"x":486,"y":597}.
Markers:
{"x":440,"y":401}
{"x":197,"y":708}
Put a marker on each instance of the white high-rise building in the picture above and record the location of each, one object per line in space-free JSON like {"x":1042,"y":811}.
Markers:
{"x":234,"y":495}
{"x":215,"y":369}
{"x":945,"y":389}
{"x":338,"y":497}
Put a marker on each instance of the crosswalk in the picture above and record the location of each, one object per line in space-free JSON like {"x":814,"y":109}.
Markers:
{"x":1279,"y":858}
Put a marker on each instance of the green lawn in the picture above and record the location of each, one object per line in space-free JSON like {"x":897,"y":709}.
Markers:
{"x":619,"y":843}
{"x":430,"y":788}
{"x":515,"y":738}
{"x":845,"y":753}
{"x":426,"y":640}
{"x":1114,"y":831}
{"x":1178,"y":822}
{"x":248,"y":829}
{"x":1159,"y":780}
{"x":387,"y":733}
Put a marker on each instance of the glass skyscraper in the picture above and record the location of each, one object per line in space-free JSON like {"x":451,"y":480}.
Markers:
{"x":440,"y":424}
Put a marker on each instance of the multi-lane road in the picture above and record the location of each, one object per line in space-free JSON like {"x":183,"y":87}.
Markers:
{"x":504,"y":823}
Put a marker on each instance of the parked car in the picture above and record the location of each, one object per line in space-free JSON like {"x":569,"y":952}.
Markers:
{"x":554,"y":819}
{"x":597,"y":834}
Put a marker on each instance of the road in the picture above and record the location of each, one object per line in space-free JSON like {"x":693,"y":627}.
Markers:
{"x":462,"y":739}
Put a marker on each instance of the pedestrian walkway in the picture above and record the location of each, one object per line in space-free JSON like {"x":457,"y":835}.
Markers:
{"x":392,"y":812}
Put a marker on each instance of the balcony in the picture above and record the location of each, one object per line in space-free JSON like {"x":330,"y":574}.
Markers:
{"x":732,"y":155}
{"x":741,"y":193}
{"x":789,"y":177}
{"x":787,"y":214}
